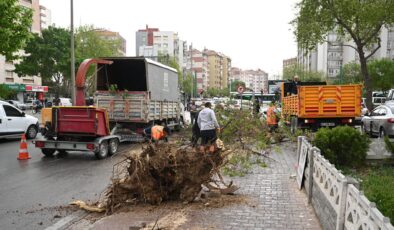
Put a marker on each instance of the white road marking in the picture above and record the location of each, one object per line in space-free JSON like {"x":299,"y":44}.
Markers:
{"x":62,"y":222}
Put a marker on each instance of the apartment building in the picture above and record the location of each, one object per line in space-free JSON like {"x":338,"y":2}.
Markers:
{"x":255,"y":80}
{"x":329,"y":57}
{"x":45,"y":17}
{"x":219,"y":69}
{"x":289,"y":62}
{"x":197,"y":65}
{"x":114,"y":36}
{"x":151,"y":42}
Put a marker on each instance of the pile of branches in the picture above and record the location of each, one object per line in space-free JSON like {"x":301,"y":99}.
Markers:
{"x":166,"y":172}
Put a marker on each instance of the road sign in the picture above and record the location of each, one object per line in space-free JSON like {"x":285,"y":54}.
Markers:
{"x":240,"y":89}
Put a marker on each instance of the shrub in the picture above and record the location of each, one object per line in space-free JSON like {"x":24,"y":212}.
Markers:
{"x":342,"y":145}
{"x":378,"y":186}
{"x":389,"y":145}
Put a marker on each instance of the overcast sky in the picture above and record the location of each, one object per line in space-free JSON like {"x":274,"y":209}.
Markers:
{"x":253,"y":33}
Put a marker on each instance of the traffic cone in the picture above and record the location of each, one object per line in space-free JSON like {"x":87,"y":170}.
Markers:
{"x":23,"y":153}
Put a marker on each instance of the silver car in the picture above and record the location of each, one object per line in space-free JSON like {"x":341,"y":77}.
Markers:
{"x":380,"y":121}
{"x":18,"y":104}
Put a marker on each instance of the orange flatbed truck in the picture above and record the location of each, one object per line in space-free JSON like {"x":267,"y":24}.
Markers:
{"x":319,"y":105}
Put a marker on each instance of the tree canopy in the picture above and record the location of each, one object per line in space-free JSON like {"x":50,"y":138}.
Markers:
{"x":6,"y":92}
{"x":47,"y":56}
{"x":381,"y":71}
{"x":234,"y":85}
{"x":357,"y":22}
{"x":15,"y":23}
{"x":290,"y":71}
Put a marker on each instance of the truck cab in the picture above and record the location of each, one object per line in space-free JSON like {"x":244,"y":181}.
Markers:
{"x":14,"y":122}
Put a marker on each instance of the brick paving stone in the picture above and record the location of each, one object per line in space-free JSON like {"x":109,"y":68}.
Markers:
{"x":280,"y":204}
{"x":275,"y":202}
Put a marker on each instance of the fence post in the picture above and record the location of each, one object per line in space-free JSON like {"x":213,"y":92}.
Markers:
{"x":342,"y":205}
{"x":310,"y":179}
{"x":299,"y":142}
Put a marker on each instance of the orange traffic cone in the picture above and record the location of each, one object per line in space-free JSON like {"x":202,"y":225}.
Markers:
{"x":23,"y":153}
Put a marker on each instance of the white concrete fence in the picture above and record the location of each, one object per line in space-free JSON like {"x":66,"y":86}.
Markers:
{"x":337,"y":202}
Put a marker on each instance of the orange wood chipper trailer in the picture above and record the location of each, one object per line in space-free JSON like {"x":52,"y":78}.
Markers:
{"x":317,"y":105}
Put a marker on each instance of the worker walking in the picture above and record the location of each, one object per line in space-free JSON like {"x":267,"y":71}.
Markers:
{"x":157,"y":133}
{"x":272,"y":117}
{"x":208,"y":125}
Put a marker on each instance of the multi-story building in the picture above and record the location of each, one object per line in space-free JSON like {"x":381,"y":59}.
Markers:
{"x":289,"y":62}
{"x":255,"y":80}
{"x":114,"y":36}
{"x":45,"y":17}
{"x":219,"y":69}
{"x":7,"y":67}
{"x":151,"y":42}
{"x":330,"y":56}
{"x":197,"y":65}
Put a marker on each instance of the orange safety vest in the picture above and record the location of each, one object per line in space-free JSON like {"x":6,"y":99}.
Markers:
{"x":157,"y":132}
{"x":271,"y":116}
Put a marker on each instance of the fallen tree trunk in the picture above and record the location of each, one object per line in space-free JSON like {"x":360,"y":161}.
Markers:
{"x":165,"y":172}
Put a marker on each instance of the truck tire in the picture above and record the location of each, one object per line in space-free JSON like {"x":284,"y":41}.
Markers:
{"x":48,"y":152}
{"x":102,"y":151}
{"x":113,"y":146}
{"x":31,"y":132}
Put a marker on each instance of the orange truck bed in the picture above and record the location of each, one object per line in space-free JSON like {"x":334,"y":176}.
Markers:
{"x":323,"y":102}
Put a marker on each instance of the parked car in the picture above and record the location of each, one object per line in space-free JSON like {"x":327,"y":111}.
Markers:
{"x":14,"y":122}
{"x":65,"y":102}
{"x":29,"y":104}
{"x":380,"y":121}
{"x":18,"y":104}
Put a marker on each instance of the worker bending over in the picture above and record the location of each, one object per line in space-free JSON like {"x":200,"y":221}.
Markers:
{"x":157,"y":133}
{"x":272,"y":117}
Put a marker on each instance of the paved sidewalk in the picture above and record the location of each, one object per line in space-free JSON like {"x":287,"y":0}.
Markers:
{"x":274,"y":203}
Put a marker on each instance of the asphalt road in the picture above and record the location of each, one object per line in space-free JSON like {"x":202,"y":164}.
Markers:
{"x":34,"y":193}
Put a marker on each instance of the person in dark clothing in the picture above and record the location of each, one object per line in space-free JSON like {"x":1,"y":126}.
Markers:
{"x":295,"y":83}
{"x":195,"y":131}
{"x":256,"y":106}
{"x":193,"y":111}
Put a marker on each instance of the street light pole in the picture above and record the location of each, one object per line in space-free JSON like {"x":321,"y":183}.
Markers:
{"x":72,"y":54}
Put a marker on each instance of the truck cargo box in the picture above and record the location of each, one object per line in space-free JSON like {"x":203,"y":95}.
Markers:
{"x":139,"y":74}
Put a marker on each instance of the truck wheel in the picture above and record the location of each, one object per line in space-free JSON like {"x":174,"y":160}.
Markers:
{"x":48,"y":152}
{"x":31,"y":132}
{"x":113,"y":146}
{"x":102,"y":151}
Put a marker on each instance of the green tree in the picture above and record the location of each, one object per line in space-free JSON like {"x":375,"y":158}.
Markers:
{"x":352,"y":20}
{"x":89,"y":44}
{"x":6,"y":92}
{"x":382,"y":74}
{"x":306,"y":76}
{"x":48,"y":56}
{"x":15,"y":23}
{"x":234,"y":85}
{"x":351,"y":74}
{"x":187,"y":84}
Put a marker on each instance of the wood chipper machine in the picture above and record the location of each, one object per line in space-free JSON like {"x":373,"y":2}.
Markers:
{"x":77,"y":128}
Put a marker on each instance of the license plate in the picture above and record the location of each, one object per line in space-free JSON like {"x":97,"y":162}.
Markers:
{"x":327,"y":124}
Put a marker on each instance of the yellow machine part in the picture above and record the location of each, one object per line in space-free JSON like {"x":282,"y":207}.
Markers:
{"x":46,"y":115}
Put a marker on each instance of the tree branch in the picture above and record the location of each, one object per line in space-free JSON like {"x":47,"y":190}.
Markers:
{"x":330,"y":43}
{"x":368,"y":39}
{"x":374,"y":51}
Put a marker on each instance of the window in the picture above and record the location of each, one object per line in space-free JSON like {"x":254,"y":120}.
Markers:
{"x":11,"y":111}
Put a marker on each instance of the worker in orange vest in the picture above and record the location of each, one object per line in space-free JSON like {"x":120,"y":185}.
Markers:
{"x":272,"y":117}
{"x":157,"y":133}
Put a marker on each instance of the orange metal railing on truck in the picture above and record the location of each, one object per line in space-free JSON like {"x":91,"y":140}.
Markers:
{"x":323,"y":101}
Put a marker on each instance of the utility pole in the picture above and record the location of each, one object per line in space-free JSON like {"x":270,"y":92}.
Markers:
{"x":72,"y":55}
{"x":191,"y":69}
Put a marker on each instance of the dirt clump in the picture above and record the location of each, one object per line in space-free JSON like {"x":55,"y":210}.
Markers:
{"x":166,"y":172}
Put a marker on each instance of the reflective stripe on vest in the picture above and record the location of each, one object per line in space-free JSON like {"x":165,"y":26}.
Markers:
{"x":157,"y":132}
{"x":271,"y":116}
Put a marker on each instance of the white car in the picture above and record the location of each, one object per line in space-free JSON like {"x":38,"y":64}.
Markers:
{"x":65,"y":102}
{"x":14,"y":122}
